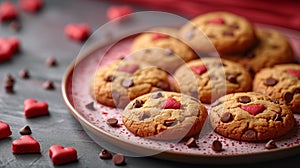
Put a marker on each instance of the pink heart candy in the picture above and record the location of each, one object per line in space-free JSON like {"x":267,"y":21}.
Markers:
{"x":115,"y":12}
{"x":294,"y":72}
{"x":77,"y":32}
{"x":8,"y":46}
{"x":4,"y":130}
{"x":8,"y":11}
{"x":217,"y":20}
{"x":171,"y":103}
{"x":254,"y":109}
{"x":199,"y":69}
{"x":31,"y":5}
{"x":61,"y":155}
{"x":26,"y":144}
{"x":33,"y":108}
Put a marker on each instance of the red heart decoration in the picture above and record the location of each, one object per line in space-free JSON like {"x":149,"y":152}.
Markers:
{"x":8,"y":11}
{"x":217,"y":21}
{"x":8,"y":46}
{"x":129,"y":68}
{"x":31,"y":5}
{"x":157,"y":36}
{"x":26,"y":144}
{"x":4,"y":130}
{"x":60,"y":155}
{"x":115,"y":12}
{"x":77,"y":32}
{"x":254,"y":109}
{"x":199,"y":69}
{"x":294,"y":72}
{"x":33,"y":108}
{"x":171,"y":103}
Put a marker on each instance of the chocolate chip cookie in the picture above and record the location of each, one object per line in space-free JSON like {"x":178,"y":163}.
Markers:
{"x":117,"y":83}
{"x":210,"y":78}
{"x":250,"y":116}
{"x":282,"y":82}
{"x":164,"y":116}
{"x":272,"y":48}
{"x":162,"y":48}
{"x":228,"y":33}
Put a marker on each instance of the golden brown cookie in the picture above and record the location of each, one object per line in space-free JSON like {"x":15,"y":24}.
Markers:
{"x":164,"y":116}
{"x":118,"y":83}
{"x":210,"y":78}
{"x":228,"y":32}
{"x":161,"y":48}
{"x":250,"y":116}
{"x":282,"y":82}
{"x":272,"y":48}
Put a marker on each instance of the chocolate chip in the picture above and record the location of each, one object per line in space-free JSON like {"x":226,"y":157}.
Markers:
{"x":297,"y":91}
{"x":278,"y":117}
{"x":232,"y":79}
{"x":90,"y":106}
{"x":118,"y":159}
{"x":169,"y":52}
{"x":244,"y":99}
{"x":274,"y":46}
{"x":9,"y":79}
{"x":270,"y":144}
{"x":191,"y":143}
{"x":211,"y":36}
{"x":48,"y":85}
{"x":189,"y":34}
{"x":228,"y":33}
{"x":250,"y":55}
{"x":127,"y":83}
{"x":112,"y":122}
{"x":105,"y":154}
{"x":24,"y":74}
{"x":271,"y":82}
{"x":234,"y":26}
{"x":9,"y":88}
{"x":169,"y":123}
{"x":25,"y":130}
{"x":137,"y":104}
{"x":157,"y":95}
{"x":51,"y":61}
{"x":145,"y":116}
{"x":250,"y":134}
{"x":288,"y":97}
{"x":163,"y":85}
{"x":226,"y":117}
{"x":216,"y":146}
{"x":110,"y":78}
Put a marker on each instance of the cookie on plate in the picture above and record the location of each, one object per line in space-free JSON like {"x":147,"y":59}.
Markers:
{"x":164,"y":116}
{"x":161,"y":48}
{"x":250,"y":116}
{"x":210,"y":78}
{"x":121,"y":81}
{"x":228,"y":32}
{"x":281,"y":82}
{"x":272,"y":48}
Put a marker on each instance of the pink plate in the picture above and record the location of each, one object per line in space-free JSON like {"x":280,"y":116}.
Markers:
{"x":75,"y":89}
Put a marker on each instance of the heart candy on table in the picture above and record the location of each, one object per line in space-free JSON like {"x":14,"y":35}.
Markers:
{"x":31,"y":6}
{"x":8,"y":11}
{"x":294,"y":72}
{"x":4,"y":130}
{"x":77,"y":32}
{"x":26,"y":144}
{"x":61,"y":155}
{"x":199,"y":69}
{"x":8,"y":46}
{"x":254,"y":109}
{"x":171,"y":103}
{"x":115,"y":12}
{"x":33,"y":108}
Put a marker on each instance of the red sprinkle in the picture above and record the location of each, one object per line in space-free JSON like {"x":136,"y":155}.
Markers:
{"x":294,"y":72}
{"x":254,"y":109}
{"x":8,"y":11}
{"x":171,"y":103}
{"x":157,"y":36}
{"x":61,"y":155}
{"x":31,"y":6}
{"x":33,"y":108}
{"x":199,"y":69}
{"x":4,"y":130}
{"x":115,"y":12}
{"x":77,"y":32}
{"x":217,"y":20}
{"x":26,"y":144}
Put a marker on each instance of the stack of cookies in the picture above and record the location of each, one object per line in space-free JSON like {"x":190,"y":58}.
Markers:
{"x":252,"y":85}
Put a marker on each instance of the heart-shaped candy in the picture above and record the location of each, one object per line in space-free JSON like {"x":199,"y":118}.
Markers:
{"x":199,"y":69}
{"x":77,"y":32}
{"x":8,"y":11}
{"x":4,"y":130}
{"x":217,"y":20}
{"x":8,"y":46}
{"x":115,"y":12}
{"x":254,"y":109}
{"x":26,"y":144}
{"x":171,"y":103}
{"x":33,"y":108}
{"x":157,"y":36}
{"x":31,"y":5}
{"x":61,"y":155}
{"x":294,"y":72}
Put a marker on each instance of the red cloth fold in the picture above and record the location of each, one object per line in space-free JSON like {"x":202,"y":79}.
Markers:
{"x":274,"y":12}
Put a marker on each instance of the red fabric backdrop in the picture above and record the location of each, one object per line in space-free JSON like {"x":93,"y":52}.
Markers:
{"x":285,"y":13}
